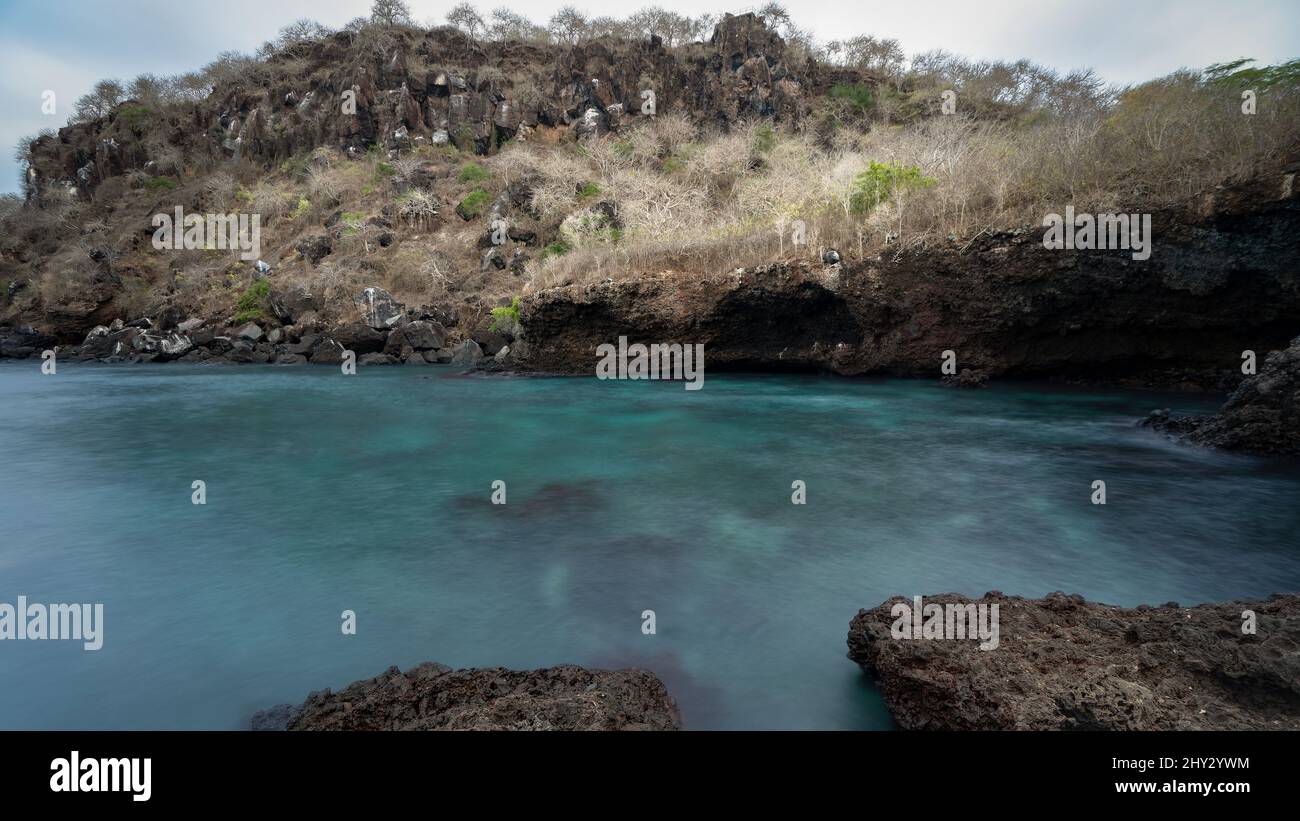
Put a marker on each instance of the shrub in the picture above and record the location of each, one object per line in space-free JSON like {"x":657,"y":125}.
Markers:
{"x":473,"y":172}
{"x":474,"y":203}
{"x":554,"y":249}
{"x":504,"y":318}
{"x":161,"y":183}
{"x":252,"y":303}
{"x":588,"y":190}
{"x":856,"y":96}
{"x":880,"y":181}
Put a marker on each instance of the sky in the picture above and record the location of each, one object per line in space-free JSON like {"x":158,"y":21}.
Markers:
{"x":65,"y":46}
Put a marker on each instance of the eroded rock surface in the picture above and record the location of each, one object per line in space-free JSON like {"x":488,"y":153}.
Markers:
{"x":1063,"y":663}
{"x":435,"y":697}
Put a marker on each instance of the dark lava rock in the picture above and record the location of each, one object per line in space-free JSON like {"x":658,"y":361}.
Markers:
{"x":425,"y":335}
{"x":378,"y":359}
{"x":359,"y":337}
{"x":1261,"y":416}
{"x":435,"y":697}
{"x":1063,"y":663}
{"x":316,"y":248}
{"x":328,"y":352}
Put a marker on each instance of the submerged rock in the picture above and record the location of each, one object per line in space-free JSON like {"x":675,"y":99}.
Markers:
{"x":435,"y":697}
{"x":1062,"y":663}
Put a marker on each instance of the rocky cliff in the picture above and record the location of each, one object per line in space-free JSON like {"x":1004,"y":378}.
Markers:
{"x":1223,"y":277}
{"x":407,"y":87}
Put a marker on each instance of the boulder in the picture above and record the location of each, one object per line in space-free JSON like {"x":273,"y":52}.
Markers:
{"x":359,"y":337}
{"x":467,"y":354}
{"x":425,"y":334}
{"x":328,"y":352}
{"x":378,"y":308}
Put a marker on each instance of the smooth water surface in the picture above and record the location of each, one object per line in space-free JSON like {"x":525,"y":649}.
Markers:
{"x":371,"y":493}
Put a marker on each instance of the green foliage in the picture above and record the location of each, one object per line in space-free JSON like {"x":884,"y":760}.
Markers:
{"x":300,"y":210}
{"x":857,"y":96}
{"x":474,"y":203}
{"x":506,"y":316}
{"x":295,"y":167}
{"x":352,"y":221}
{"x":588,"y":190}
{"x":473,"y":172}
{"x":764,"y":139}
{"x":161,"y":183}
{"x":383,"y":171}
{"x":252,"y":303}
{"x":1241,"y":73}
{"x":555,"y":249}
{"x":135,"y":118}
{"x":880,"y":181}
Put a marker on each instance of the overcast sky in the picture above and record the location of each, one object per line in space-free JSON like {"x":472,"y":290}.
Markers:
{"x":67,"y":45}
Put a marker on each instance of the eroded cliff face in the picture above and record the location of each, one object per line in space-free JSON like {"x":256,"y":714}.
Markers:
{"x":1223,"y":277}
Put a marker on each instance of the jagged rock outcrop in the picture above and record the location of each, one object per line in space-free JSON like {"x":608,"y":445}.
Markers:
{"x":1261,"y":416}
{"x":1222,"y":277}
{"x":435,"y":697}
{"x":1064,"y":663}
{"x":408,"y":87}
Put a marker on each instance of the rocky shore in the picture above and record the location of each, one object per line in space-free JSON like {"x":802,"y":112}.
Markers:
{"x":1261,"y":416}
{"x":1064,"y":663}
{"x":434,"y":697}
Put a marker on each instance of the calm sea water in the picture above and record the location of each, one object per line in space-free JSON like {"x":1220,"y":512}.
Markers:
{"x":371,"y":493}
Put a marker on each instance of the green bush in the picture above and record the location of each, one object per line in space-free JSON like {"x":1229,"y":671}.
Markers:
{"x":857,"y":96}
{"x":161,"y":183}
{"x":252,"y":303}
{"x":506,"y":316}
{"x":134,"y":117}
{"x":473,"y":172}
{"x":474,"y":203}
{"x":764,"y":139}
{"x":880,"y":181}
{"x":554,"y":249}
{"x":588,"y":190}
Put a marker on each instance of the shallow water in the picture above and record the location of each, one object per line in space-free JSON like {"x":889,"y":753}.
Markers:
{"x":371,"y":493}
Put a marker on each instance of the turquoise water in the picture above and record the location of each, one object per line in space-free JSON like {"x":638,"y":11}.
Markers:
{"x":371,"y":493}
